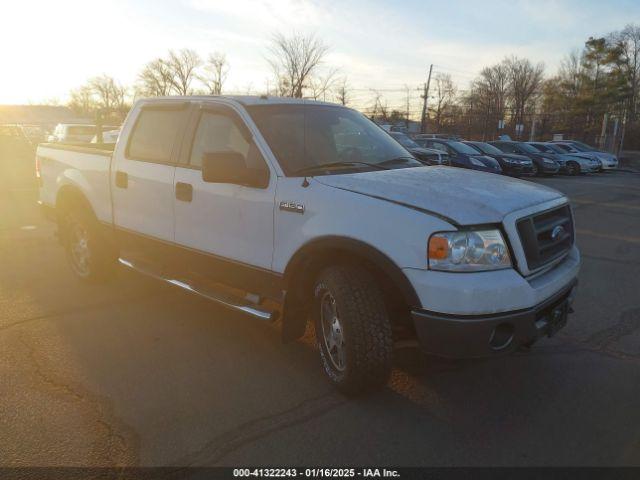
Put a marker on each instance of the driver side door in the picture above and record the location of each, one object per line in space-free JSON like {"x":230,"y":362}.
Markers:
{"x":226,"y":228}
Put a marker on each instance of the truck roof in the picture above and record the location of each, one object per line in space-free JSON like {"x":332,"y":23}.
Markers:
{"x":246,"y":100}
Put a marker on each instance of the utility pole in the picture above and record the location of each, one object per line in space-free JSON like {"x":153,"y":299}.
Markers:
{"x":423,"y":126}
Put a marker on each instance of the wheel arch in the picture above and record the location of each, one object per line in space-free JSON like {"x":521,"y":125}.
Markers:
{"x":70,"y":196}
{"x":319,"y":253}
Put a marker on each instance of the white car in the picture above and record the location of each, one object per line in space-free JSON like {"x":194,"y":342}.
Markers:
{"x":253,"y":203}
{"x":608,"y":161}
{"x":75,"y":133}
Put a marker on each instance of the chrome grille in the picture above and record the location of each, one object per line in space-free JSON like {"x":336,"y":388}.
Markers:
{"x":546,"y":236}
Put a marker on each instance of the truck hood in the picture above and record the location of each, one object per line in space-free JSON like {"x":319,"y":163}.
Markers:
{"x":459,"y":196}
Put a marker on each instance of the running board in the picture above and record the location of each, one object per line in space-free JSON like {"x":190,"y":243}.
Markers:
{"x":222,"y":298}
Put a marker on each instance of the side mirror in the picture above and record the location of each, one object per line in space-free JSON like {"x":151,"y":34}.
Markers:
{"x":229,"y":167}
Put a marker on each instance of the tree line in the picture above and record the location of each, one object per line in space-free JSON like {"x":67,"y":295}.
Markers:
{"x":595,"y":92}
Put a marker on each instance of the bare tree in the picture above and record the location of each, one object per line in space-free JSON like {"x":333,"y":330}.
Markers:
{"x":491,"y":90}
{"x":109,"y":94}
{"x":294,"y":60}
{"x":82,"y":101}
{"x":445,"y":94}
{"x":379,"y":110}
{"x":216,"y":70}
{"x":321,"y":85}
{"x":525,"y":84}
{"x":183,"y":66}
{"x":342,"y":91}
{"x":155,"y":79}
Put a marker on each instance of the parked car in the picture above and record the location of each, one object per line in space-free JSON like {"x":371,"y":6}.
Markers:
{"x":252,"y":202}
{"x":570,"y":163}
{"x":542,"y":164}
{"x":510,"y":163}
{"x":428,"y":156}
{"x":607,"y":160}
{"x":461,"y":155}
{"x":75,"y":133}
{"x":443,"y":136}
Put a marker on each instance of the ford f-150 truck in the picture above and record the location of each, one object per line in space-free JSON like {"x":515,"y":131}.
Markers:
{"x":297,"y":211}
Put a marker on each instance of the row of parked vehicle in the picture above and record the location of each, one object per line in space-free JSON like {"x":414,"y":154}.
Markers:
{"x":508,"y":157}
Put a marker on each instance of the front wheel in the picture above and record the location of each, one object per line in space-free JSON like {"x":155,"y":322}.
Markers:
{"x":573,"y":168}
{"x":536,"y":170}
{"x":353,"y":331}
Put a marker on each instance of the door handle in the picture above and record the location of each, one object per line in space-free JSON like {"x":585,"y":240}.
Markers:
{"x":122,"y":179}
{"x":184,"y":191}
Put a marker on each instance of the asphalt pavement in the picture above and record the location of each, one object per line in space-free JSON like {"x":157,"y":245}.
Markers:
{"x":136,"y":372}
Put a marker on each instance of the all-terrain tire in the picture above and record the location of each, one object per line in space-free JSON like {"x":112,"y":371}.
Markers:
{"x":100,"y":262}
{"x":365,"y":327}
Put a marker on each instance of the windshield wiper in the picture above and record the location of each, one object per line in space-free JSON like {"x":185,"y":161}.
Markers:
{"x":330,"y":165}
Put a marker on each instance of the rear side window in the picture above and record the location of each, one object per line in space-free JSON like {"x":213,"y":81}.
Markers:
{"x":155,"y":133}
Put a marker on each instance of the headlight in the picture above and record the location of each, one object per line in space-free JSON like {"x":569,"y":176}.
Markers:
{"x":468,"y":251}
{"x":477,"y":162}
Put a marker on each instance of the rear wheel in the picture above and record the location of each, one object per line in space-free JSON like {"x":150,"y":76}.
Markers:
{"x":90,"y":256}
{"x":353,"y":331}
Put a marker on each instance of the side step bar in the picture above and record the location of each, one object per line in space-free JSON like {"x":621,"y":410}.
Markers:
{"x":216,"y":295}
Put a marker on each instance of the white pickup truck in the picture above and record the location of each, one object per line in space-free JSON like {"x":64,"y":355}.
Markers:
{"x":299,"y":211}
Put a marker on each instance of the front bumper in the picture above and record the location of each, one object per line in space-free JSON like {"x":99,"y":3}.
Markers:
{"x":455,"y":336}
{"x":517,"y":169}
{"x":609,"y":165}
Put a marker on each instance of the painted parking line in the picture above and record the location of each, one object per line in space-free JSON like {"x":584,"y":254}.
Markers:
{"x":608,"y":236}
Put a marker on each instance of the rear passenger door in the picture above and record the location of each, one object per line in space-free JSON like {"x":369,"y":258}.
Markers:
{"x":142,"y":179}
{"x":226,"y":228}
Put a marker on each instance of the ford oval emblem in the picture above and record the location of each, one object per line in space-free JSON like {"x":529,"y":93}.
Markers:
{"x":557,"y":232}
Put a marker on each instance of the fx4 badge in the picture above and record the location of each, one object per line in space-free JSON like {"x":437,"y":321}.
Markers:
{"x":292,"y":207}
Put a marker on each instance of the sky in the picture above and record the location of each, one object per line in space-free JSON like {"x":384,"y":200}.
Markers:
{"x":49,"y":47}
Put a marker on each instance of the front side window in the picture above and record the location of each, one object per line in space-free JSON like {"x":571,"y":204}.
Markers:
{"x":155,"y":133}
{"x":306,"y":136}
{"x":219,"y":132}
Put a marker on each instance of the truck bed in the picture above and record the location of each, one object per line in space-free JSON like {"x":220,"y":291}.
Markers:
{"x":83,"y":165}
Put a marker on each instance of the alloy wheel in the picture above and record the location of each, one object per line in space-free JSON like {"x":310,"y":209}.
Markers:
{"x":332,"y":331}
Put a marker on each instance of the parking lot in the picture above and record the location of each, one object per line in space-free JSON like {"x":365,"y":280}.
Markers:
{"x":139,"y":373}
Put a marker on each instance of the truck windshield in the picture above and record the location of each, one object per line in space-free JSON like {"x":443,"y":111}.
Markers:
{"x":305,"y":136}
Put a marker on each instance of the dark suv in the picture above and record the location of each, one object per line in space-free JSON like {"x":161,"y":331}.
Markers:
{"x":461,"y":155}
{"x":542,"y":164}
{"x":511,"y":163}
